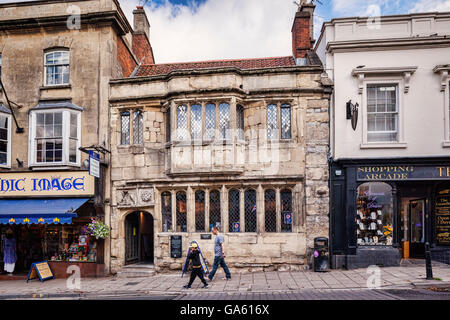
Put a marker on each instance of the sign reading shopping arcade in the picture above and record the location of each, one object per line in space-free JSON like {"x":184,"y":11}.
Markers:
{"x":402,"y":173}
{"x":19,"y":184}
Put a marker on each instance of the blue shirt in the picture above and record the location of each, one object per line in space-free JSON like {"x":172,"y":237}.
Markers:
{"x":218,"y":245}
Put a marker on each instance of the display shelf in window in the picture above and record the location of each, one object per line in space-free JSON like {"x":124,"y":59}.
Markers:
{"x":374,"y":215}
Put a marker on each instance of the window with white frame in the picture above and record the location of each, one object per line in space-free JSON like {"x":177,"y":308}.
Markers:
{"x":57,"y":67}
{"x":0,"y":65}
{"x":382,"y":113}
{"x":5,"y":140}
{"x":55,"y":137}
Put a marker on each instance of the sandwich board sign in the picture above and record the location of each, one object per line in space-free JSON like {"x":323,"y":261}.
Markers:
{"x":40,"y":270}
{"x":202,"y":260}
{"x":94,"y":164}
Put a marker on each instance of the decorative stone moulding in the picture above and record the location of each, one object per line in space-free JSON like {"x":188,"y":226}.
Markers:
{"x":362,"y":73}
{"x":443,"y":70}
{"x":135,"y":197}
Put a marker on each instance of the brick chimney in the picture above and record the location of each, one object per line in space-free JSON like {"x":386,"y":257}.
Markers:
{"x":141,"y":37}
{"x":303,"y":32}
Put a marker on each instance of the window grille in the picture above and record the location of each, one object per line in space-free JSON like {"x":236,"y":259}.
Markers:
{"x":250,"y":210}
{"x":224,"y":120}
{"x":125,"y":128}
{"x":138,"y":127}
{"x":285,"y":121}
{"x":182,"y":124}
{"x":210,"y":121}
{"x":214,"y":209}
{"x":181,"y":212}
{"x":200,"y":211}
{"x":240,"y":121}
{"x":234,"y":211}
{"x":166,"y":211}
{"x":286,"y":208}
{"x":270,"y":208}
{"x":272,"y":122}
{"x":196,"y":122}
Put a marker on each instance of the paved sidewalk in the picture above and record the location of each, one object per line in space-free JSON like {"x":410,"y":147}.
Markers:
{"x":263,"y":282}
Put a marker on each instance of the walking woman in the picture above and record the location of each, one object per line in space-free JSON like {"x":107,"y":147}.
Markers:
{"x":9,"y":251}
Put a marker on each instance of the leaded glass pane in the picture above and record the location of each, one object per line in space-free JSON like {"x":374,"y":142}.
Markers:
{"x":168,"y":127}
{"x":200,"y":211}
{"x":272,"y":120}
{"x":210,"y":121}
{"x":166,"y":211}
{"x":285,"y":121}
{"x":286,"y":210}
{"x":196,"y":122}
{"x":224,"y":120}
{"x":270,"y":211}
{"x":234,"y":211}
{"x":250,"y":210}
{"x":181,"y":212}
{"x":214,"y":209}
{"x":240,"y":121}
{"x":182,"y":125}
{"x":138,"y":127}
{"x":125,"y":128}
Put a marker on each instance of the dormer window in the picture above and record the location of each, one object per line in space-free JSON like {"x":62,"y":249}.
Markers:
{"x":57,"y":67}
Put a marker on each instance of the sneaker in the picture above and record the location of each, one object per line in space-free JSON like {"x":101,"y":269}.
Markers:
{"x":187,"y":287}
{"x":205,"y":286}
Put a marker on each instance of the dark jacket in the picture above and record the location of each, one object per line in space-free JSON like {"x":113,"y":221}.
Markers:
{"x":195,"y":257}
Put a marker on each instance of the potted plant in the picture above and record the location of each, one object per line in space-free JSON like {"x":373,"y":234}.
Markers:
{"x":98,"y":229}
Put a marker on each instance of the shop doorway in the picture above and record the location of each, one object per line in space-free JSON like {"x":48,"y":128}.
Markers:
{"x":417,"y":212}
{"x":139,"y":238}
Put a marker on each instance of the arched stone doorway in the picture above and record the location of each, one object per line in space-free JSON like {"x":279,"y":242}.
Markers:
{"x":139,"y":238}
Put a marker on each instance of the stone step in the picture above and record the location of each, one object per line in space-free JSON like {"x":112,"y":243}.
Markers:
{"x":136,"y":271}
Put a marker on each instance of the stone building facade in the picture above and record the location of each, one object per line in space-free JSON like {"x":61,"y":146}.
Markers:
{"x":241,"y":144}
{"x":56,"y":58}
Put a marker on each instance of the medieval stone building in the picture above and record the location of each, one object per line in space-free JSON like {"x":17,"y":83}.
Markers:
{"x":239,"y":144}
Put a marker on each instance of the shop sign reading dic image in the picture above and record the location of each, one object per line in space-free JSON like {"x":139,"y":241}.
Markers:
{"x":75,"y":183}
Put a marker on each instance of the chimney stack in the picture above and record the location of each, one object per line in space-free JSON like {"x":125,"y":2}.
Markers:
{"x":303,"y":31}
{"x":141,"y":24}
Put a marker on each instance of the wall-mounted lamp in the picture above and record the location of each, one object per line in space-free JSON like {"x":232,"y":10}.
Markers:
{"x":352,"y":113}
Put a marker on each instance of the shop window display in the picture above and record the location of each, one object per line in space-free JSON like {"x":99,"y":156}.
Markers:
{"x":374,"y":218}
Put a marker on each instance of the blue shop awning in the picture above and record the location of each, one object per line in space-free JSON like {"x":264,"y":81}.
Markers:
{"x":39,"y":211}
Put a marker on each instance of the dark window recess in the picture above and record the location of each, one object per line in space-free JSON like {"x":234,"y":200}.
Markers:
{"x":270,"y":211}
{"x":199,"y":211}
{"x":286,"y":209}
{"x":181,"y":212}
{"x":234,"y":211}
{"x":214,"y":209}
{"x":250,"y":210}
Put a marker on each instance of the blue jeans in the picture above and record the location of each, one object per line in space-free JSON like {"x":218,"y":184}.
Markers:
{"x":219,"y":261}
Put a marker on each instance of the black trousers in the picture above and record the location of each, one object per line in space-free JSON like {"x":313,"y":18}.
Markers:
{"x":196,"y":272}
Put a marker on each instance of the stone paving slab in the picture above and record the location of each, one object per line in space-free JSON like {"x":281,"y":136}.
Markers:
{"x":270,"y":282}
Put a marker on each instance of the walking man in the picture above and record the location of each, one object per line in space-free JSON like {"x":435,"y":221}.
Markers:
{"x":219,"y":255}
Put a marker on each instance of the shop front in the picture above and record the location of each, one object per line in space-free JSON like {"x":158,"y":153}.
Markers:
{"x":384,"y":211}
{"x":48,"y":214}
